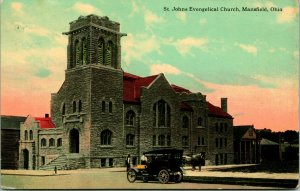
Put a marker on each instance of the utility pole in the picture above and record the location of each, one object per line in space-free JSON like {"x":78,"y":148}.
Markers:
{"x":280,"y":153}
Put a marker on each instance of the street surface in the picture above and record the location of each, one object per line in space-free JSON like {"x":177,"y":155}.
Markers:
{"x":98,"y":179}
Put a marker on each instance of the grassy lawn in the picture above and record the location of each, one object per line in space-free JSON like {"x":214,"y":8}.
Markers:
{"x":268,"y":167}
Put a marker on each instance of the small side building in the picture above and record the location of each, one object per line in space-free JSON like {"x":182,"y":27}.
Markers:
{"x":10,"y":135}
{"x":246,"y":145}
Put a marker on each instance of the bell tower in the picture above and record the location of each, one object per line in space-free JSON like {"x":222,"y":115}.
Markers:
{"x":94,"y":40}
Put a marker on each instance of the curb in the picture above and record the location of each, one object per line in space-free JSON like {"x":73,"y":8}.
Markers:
{"x":280,"y":183}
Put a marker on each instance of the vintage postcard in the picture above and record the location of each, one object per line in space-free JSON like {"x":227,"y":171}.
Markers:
{"x":132,"y":94}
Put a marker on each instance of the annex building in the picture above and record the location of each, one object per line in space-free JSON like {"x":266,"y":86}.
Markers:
{"x":101,"y":113}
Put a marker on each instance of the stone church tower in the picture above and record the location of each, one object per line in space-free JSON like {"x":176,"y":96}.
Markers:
{"x":90,"y":100}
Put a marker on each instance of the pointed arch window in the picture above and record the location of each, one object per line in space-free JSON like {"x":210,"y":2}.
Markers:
{"x":77,"y":52}
{"x":130,"y":117}
{"x":110,"y":107}
{"x":200,"y":121}
{"x":130,"y":139}
{"x":161,"y":140}
{"x":74,"y":106}
{"x":154,"y":140}
{"x":109,"y":53}
{"x":26,"y":135}
{"x":161,"y":113}
{"x":185,"y":122}
{"x":106,"y":137}
{"x":30,"y":135}
{"x":43,"y":142}
{"x":51,"y":142}
{"x":84,"y":51}
{"x":59,"y":142}
{"x":103,"y":106}
{"x":100,"y":51}
{"x":63,"y":112}
{"x":185,"y":141}
{"x":79,"y":106}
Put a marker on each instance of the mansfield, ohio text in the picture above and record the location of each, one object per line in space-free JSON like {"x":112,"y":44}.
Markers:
{"x":223,"y":9}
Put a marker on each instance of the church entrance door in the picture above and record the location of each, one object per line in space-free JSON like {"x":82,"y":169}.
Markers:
{"x":74,"y":141}
{"x":26,"y":158}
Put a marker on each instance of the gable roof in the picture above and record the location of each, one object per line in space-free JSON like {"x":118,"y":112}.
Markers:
{"x":45,"y":122}
{"x":132,"y":85}
{"x":215,"y":111}
{"x":185,"y":106}
{"x":180,"y":89}
{"x":267,"y":142}
{"x":240,"y":131}
{"x":11,"y":122}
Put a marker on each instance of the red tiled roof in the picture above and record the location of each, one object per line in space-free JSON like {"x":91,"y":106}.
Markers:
{"x":186,"y":107}
{"x":180,"y":89}
{"x":45,"y":122}
{"x":215,"y":111}
{"x":132,"y":86}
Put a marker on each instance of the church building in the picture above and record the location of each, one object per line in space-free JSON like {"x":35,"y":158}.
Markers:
{"x":101,"y":114}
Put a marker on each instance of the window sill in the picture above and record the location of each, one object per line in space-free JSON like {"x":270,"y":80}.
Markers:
{"x":161,"y":127}
{"x":130,"y":146}
{"x":106,"y":146}
{"x":201,"y":145}
{"x":129,"y":126}
{"x":200,"y":127}
{"x":160,"y":146}
{"x":186,"y":146}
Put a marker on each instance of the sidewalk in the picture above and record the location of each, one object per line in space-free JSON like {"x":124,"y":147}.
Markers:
{"x":283,"y":180}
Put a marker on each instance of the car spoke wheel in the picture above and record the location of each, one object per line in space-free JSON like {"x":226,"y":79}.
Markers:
{"x":163,"y":176}
{"x":131,"y":175}
{"x":178,"y":177}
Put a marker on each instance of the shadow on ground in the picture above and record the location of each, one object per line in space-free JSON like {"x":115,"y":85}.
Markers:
{"x":267,"y":167}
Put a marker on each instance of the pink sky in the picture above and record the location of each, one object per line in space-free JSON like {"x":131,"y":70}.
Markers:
{"x":275,"y":109}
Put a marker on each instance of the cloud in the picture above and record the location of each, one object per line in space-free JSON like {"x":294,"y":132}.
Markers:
{"x":181,"y":16}
{"x":151,"y":18}
{"x":248,"y":48}
{"x":296,"y":54}
{"x":287,"y":15}
{"x":85,"y":8}
{"x":36,"y":30}
{"x":17,"y":6}
{"x":135,"y":47}
{"x":164,"y":68}
{"x":135,"y":8}
{"x":184,"y":46}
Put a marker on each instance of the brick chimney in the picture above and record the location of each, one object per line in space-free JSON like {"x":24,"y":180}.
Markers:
{"x":46,"y":115}
{"x":224,"y":104}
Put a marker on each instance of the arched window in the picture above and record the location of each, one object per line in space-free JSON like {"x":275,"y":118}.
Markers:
{"x":43,"y":142}
{"x":63,"y":110}
{"x":130,"y":139}
{"x":74,"y":106}
{"x":185,"y":122}
{"x":130,"y":117}
{"x":59,"y":142}
{"x":109,"y":53}
{"x":106,"y":137}
{"x":26,"y":135}
{"x":225,"y":127}
{"x":217,"y":127}
{"x":200,"y":121}
{"x":161,"y":111}
{"x":221,"y":127}
{"x":110,"y":107}
{"x":84,"y":51}
{"x":154,"y":140}
{"x":77,"y":53}
{"x":100,"y":51}
{"x":185,"y":141}
{"x":30,"y":135}
{"x":51,"y":142}
{"x":79,"y":106}
{"x":103,"y":106}
{"x":168,"y":140}
{"x":161,"y":140}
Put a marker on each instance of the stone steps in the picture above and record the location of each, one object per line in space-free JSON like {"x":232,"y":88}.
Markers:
{"x":65,"y":162}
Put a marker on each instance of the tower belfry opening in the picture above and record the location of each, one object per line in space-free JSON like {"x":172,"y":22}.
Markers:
{"x":94,"y":40}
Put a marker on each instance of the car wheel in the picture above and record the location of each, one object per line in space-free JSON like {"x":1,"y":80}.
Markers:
{"x":131,"y":175}
{"x":163,"y":176}
{"x":178,"y":176}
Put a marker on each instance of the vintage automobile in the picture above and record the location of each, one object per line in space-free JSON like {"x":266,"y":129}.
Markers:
{"x":164,"y":165}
